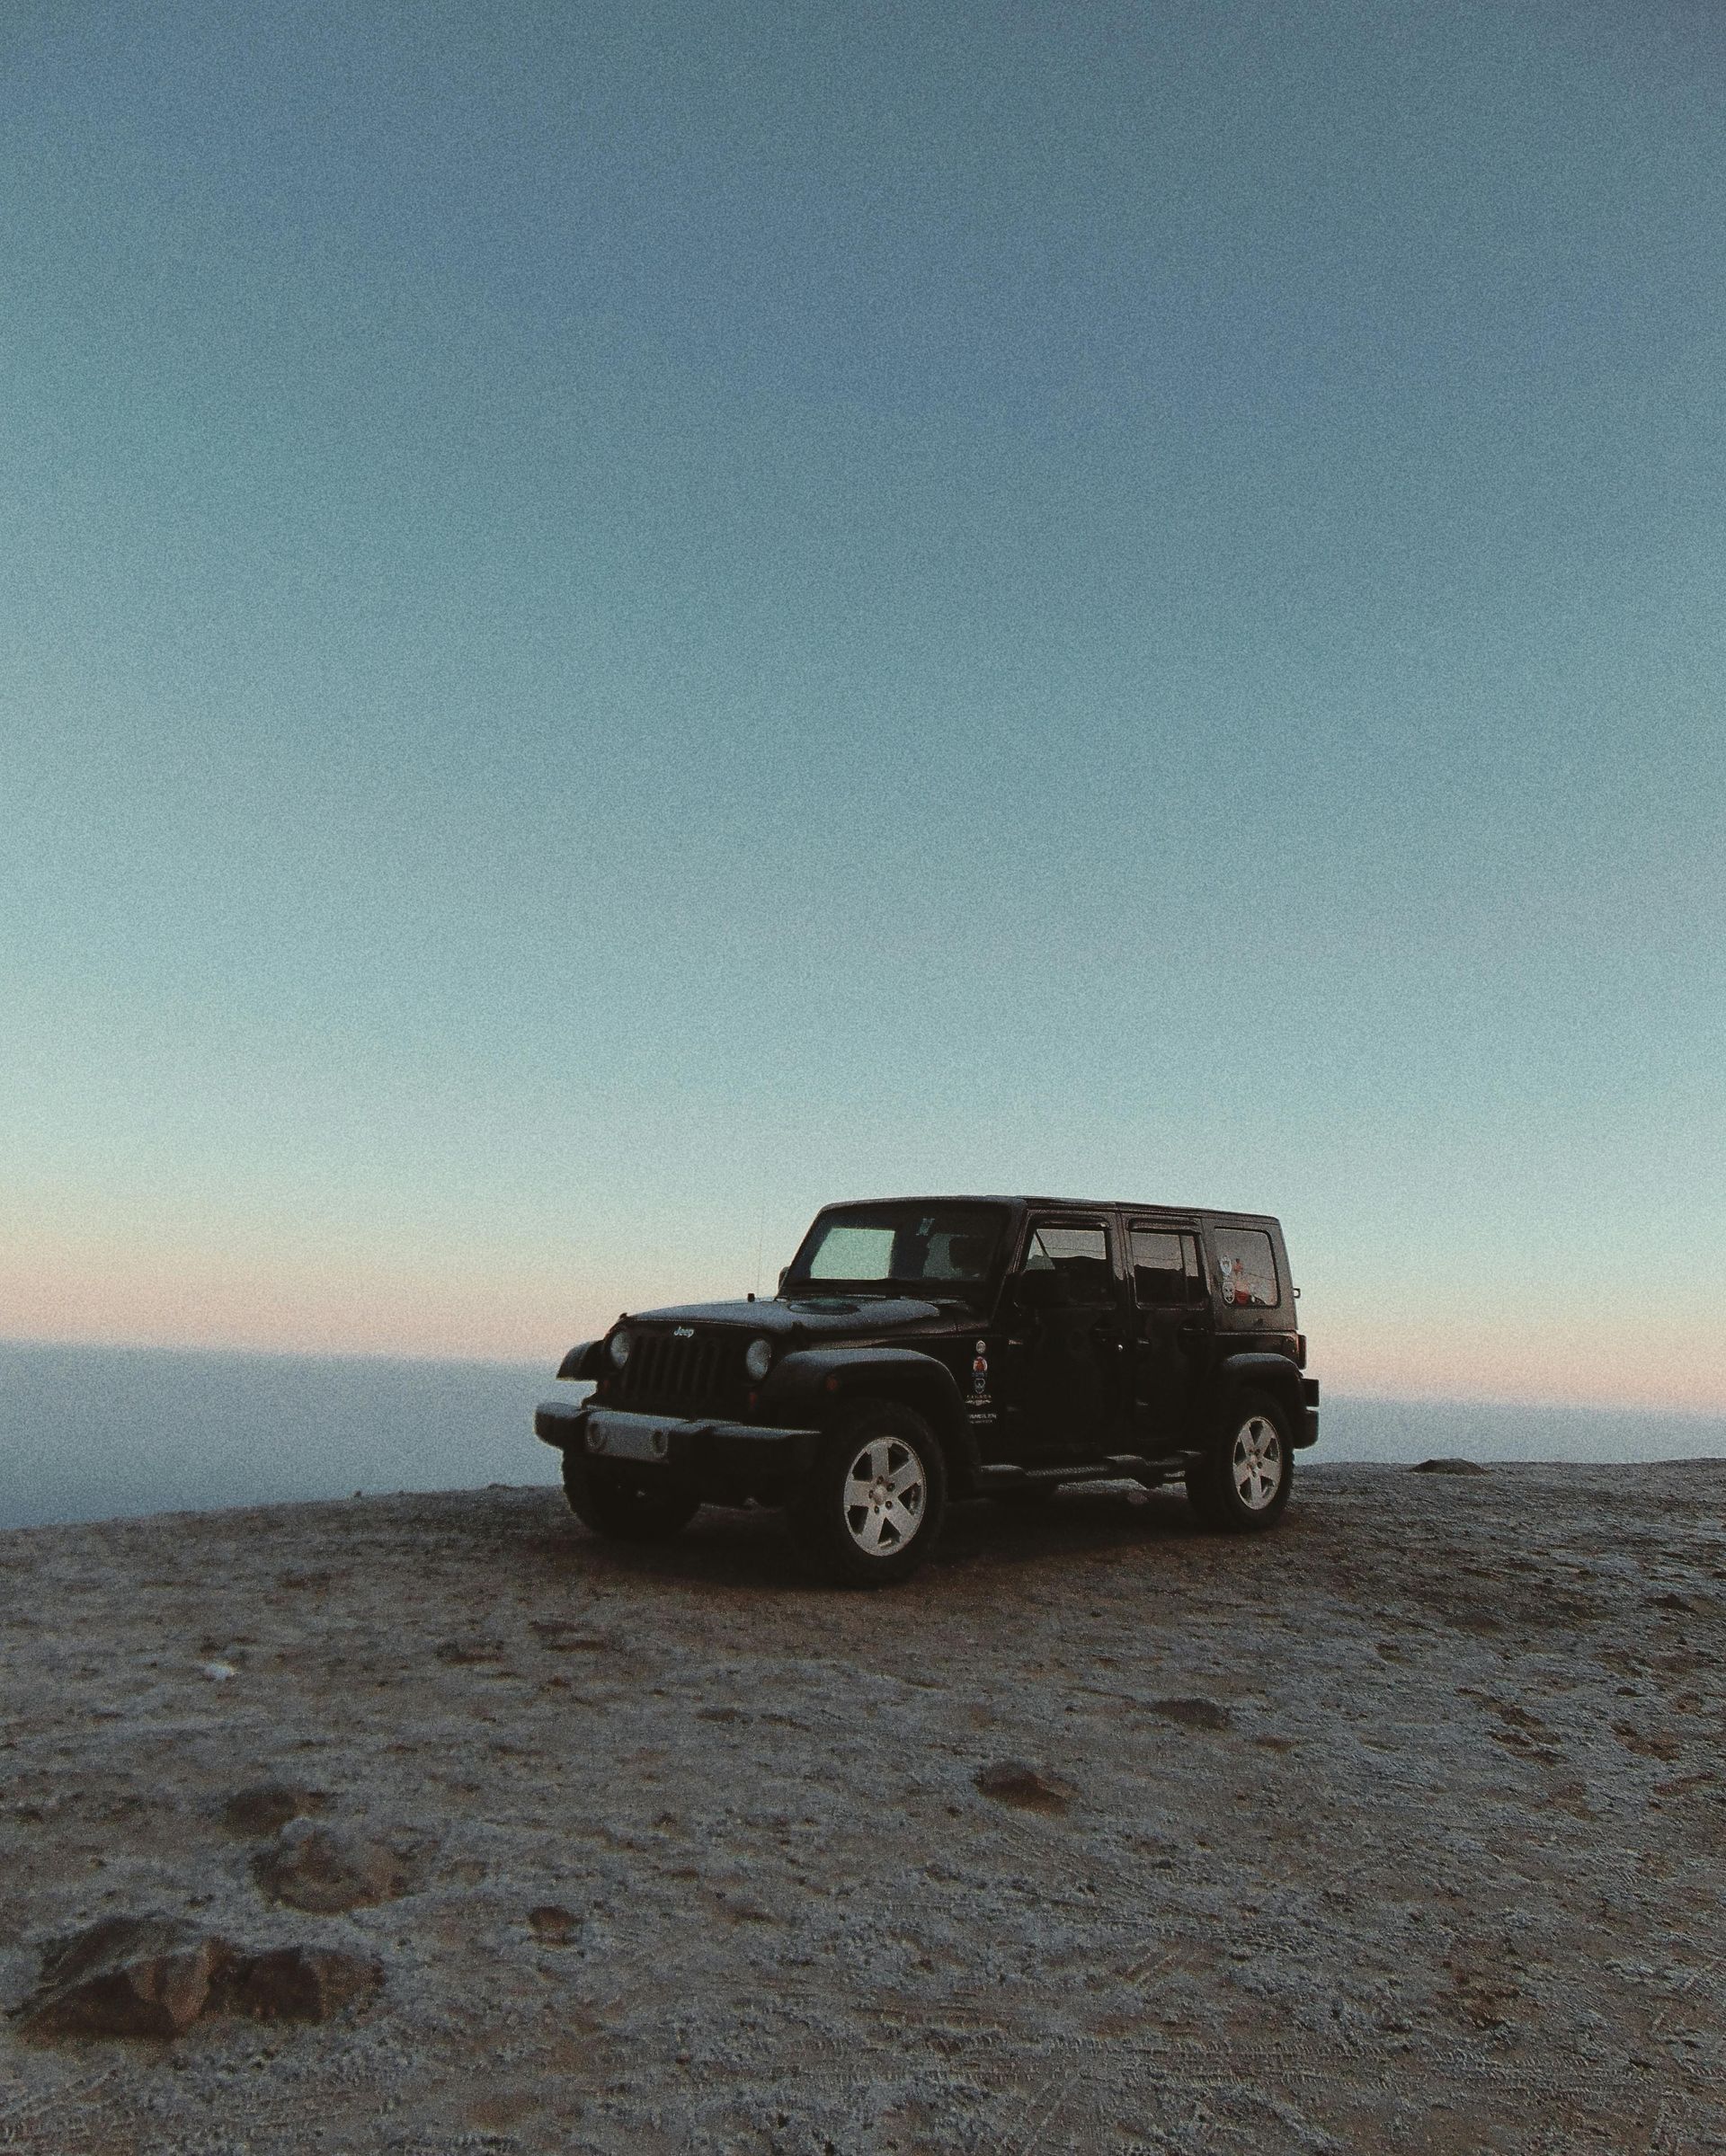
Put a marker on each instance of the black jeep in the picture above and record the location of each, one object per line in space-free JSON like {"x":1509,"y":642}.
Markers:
{"x":923,"y":1349}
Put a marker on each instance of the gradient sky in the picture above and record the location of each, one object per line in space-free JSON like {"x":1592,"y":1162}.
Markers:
{"x":622,"y":619}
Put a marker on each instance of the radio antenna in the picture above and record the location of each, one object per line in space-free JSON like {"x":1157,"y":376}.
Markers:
{"x":760,"y":1240}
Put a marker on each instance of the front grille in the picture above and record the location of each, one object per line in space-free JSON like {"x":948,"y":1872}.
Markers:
{"x":666,"y":1375}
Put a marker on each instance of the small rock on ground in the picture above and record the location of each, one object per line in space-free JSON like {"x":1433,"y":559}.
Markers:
{"x":325,"y":1870}
{"x":296,"y":1984}
{"x":1193,"y":1714}
{"x":1016,"y":1782}
{"x":266,"y":1807}
{"x":124,"y":1977}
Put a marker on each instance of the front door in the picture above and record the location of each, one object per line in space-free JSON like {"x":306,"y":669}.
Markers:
{"x":1170,"y":1322}
{"x":1065,"y":1397}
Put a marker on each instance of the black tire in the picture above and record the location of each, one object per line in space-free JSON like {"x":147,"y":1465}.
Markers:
{"x":621,"y":1510}
{"x":1227,"y":1486}
{"x":848,"y":1541}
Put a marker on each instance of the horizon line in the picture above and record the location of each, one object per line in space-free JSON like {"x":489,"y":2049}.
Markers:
{"x":1542,"y":1404}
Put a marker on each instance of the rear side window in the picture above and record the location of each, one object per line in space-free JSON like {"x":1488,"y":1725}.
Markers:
{"x":1165,"y":1266}
{"x":1247,"y":1269}
{"x":1077,"y":1257}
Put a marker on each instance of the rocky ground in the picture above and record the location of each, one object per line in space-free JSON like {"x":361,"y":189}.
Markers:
{"x":462,"y":1830}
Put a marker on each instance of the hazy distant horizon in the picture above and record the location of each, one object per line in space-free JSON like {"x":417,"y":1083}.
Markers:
{"x":194,"y":1350}
{"x":99,"y":1432}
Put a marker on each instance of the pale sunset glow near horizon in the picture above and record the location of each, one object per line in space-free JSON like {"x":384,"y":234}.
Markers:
{"x":622,"y":621}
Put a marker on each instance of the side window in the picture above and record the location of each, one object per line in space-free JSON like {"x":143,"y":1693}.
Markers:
{"x":1248,"y":1269}
{"x":1165,"y":1266}
{"x":1069,"y":1263}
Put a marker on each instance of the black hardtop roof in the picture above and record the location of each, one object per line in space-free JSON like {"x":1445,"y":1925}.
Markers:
{"x":1208,"y":1212}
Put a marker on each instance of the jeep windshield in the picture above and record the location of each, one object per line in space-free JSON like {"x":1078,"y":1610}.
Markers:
{"x":927,"y":1249}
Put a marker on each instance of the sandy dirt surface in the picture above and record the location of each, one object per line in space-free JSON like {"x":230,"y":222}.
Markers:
{"x":1404,"y":1826}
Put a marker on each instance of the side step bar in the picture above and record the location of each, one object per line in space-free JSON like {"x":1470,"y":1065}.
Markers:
{"x":1118,"y":1467}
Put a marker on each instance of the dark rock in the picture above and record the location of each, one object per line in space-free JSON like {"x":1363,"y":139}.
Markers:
{"x":266,"y":1807}
{"x":553,"y":1926}
{"x":1485,"y":1996}
{"x":459,"y":1652}
{"x":1448,"y":1467}
{"x":1647,"y":1743}
{"x":1015,"y":1782}
{"x":326,"y":1870}
{"x":1192,"y":1714}
{"x":1672,"y":1602}
{"x":125,"y":1976}
{"x":295,"y":1983}
{"x":564,"y":1637}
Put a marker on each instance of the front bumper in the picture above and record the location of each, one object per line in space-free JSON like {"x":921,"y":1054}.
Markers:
{"x":716,"y":1456}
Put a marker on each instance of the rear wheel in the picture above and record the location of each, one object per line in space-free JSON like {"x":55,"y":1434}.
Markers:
{"x":621,"y":1510}
{"x":1241,"y":1480}
{"x":872,"y":1503}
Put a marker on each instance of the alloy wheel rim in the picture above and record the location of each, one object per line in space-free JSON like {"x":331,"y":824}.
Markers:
{"x":1255,"y":1462}
{"x":886,"y":1492}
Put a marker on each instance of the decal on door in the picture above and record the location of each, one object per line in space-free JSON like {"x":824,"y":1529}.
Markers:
{"x":980,"y":1383}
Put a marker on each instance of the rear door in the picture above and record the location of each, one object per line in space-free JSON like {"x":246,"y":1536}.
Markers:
{"x":1170,"y":1327}
{"x":1066,"y":1392}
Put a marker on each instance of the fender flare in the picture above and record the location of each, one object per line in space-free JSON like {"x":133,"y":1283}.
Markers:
{"x":1259,"y":1370}
{"x":583,"y":1361}
{"x":807,"y":1386}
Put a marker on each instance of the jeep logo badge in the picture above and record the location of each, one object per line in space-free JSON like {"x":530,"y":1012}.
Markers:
{"x":684,"y":1332}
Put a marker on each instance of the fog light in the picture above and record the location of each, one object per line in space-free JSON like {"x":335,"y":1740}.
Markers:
{"x":595,"y":1439}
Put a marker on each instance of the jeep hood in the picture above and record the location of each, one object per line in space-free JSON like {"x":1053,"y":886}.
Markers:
{"x":804,"y":1317}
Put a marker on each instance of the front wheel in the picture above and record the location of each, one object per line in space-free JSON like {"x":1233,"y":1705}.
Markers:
{"x":1241,"y":1480}
{"x":872,"y":1503}
{"x":621,"y":1510}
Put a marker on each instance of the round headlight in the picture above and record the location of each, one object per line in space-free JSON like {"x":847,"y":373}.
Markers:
{"x":618,"y":1348}
{"x":759,"y":1361}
